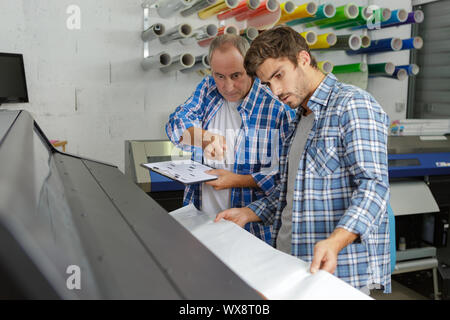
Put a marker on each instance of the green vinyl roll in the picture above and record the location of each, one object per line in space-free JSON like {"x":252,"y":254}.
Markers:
{"x":342,"y":14}
{"x":359,"y":20}
{"x":381,"y":69}
{"x":348,"y":68}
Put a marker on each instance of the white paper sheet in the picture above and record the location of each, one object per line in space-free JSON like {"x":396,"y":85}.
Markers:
{"x":273,"y":273}
{"x":185,"y":171}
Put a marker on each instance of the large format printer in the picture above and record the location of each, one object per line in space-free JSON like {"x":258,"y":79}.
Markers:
{"x":74,"y":228}
{"x":419,"y":174}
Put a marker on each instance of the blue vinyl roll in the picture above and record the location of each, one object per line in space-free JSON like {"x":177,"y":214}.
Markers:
{"x":411,"y":69}
{"x":376,"y":46}
{"x":412,"y":43}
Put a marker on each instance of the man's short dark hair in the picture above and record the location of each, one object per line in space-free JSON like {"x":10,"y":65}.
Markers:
{"x":278,"y":42}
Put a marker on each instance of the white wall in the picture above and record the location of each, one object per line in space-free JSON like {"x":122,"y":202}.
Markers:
{"x":87,"y":86}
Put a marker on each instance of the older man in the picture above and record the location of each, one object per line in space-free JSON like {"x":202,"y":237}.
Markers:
{"x":331,"y":206}
{"x":236,"y":125}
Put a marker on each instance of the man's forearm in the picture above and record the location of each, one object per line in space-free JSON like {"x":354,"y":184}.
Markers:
{"x":342,"y":238}
{"x":245,"y":181}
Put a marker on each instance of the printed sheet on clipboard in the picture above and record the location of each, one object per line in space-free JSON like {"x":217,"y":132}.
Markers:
{"x":184,"y":171}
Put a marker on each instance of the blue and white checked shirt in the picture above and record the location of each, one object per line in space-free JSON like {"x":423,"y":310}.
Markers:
{"x":342,"y":181}
{"x":265,"y":124}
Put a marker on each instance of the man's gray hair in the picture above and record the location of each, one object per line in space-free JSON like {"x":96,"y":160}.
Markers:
{"x":240,"y":43}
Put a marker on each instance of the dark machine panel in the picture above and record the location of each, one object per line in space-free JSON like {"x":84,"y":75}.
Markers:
{"x":58,"y":210}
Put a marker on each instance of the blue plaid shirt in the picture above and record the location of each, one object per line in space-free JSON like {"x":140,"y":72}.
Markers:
{"x":342,"y":181}
{"x":265,"y":124}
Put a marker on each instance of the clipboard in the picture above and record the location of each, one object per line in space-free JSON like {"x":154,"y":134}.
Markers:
{"x":185,"y":171}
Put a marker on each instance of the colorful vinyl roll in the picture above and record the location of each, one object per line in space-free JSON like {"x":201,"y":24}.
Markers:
{"x":221,"y":5}
{"x":310,"y":37}
{"x":411,"y":69}
{"x":249,"y":33}
{"x":347,"y":42}
{"x":201,"y":62}
{"x":399,"y":74}
{"x":324,"y":11}
{"x":182,"y":61}
{"x":325,"y":66}
{"x":412,"y":43}
{"x":153,"y":32}
{"x":360,"y":19}
{"x":397,"y":16}
{"x":349,"y":68}
{"x":243,"y":6}
{"x":306,"y":10}
{"x":167,"y":8}
{"x":343,"y":13}
{"x":266,"y":21}
{"x":178,"y":32}
{"x":159,"y":60}
{"x":265,"y":7}
{"x":197,"y":6}
{"x":287,"y":8}
{"x":382,"y":45}
{"x":324,"y":41}
{"x":416,"y":16}
{"x":381,"y":69}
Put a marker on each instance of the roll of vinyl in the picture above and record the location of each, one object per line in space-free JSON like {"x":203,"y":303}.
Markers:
{"x":197,"y":6}
{"x":347,"y":42}
{"x":168,"y":8}
{"x":219,"y":6}
{"x":412,"y":43}
{"x":381,"y":69}
{"x":325,"y":66}
{"x":228,"y":29}
{"x":287,"y":8}
{"x":324,"y":41}
{"x":382,"y":45}
{"x":265,"y":7}
{"x":159,"y":60}
{"x":243,"y":6}
{"x":343,"y":13}
{"x":310,"y":37}
{"x":306,"y":10}
{"x":249,"y":33}
{"x":399,"y":74}
{"x":365,"y":41}
{"x":416,"y":16}
{"x":205,"y":32}
{"x":361,"y":19}
{"x":182,"y":61}
{"x":201,"y":62}
{"x":324,"y":11}
{"x":178,"y":32}
{"x":153,"y":32}
{"x":349,"y":68}
{"x":398,"y":16}
{"x":411,"y":69}
{"x":266,"y":21}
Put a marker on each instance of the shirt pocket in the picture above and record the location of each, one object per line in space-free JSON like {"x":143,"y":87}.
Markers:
{"x":321,"y":157}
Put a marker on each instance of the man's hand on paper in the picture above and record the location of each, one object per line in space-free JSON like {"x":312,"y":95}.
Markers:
{"x":326,"y":251}
{"x":240,"y":216}
{"x":225,"y":179}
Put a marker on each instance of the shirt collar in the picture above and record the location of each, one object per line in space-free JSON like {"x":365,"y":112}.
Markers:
{"x":322,"y":94}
